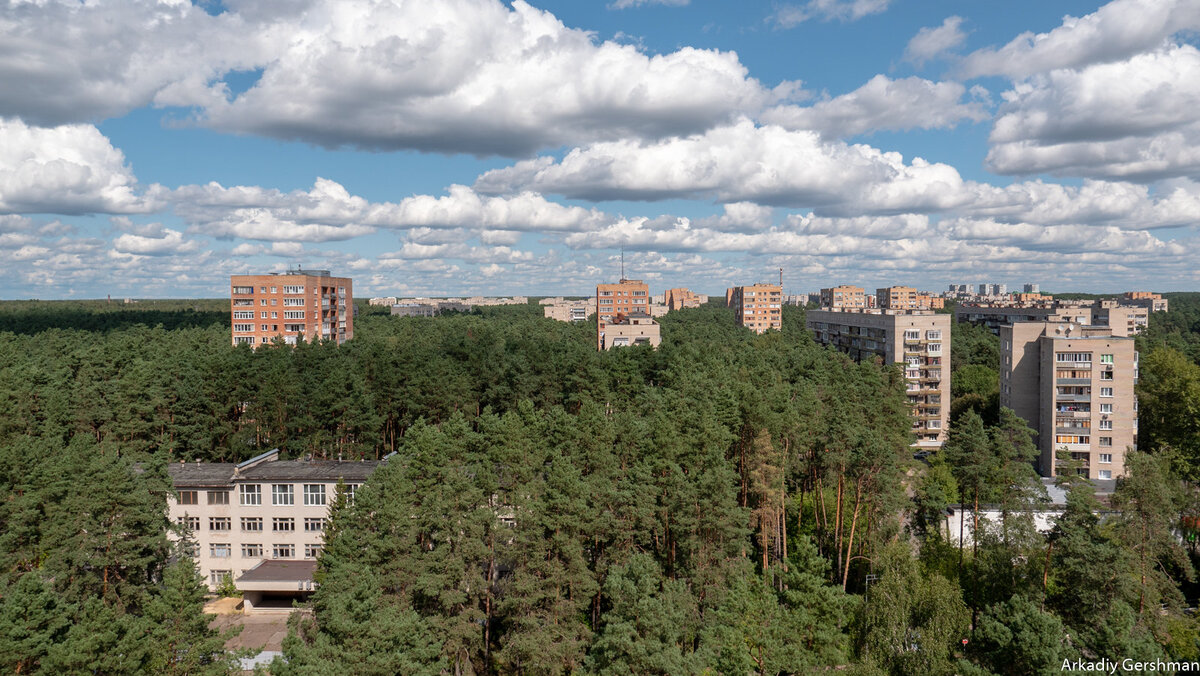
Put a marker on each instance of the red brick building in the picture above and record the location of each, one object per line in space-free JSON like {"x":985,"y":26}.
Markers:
{"x":300,"y":304}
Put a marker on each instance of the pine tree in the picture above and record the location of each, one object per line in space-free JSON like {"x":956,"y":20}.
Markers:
{"x":182,"y":641}
{"x":32,"y":620}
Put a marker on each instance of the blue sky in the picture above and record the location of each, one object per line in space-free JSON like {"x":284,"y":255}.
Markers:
{"x":476,"y":146}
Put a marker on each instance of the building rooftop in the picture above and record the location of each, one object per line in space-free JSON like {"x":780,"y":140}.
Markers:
{"x":211,"y":474}
{"x":279,"y":570}
{"x":201,"y":473}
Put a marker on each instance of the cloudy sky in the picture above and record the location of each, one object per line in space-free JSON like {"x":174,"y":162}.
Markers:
{"x":151,"y":149}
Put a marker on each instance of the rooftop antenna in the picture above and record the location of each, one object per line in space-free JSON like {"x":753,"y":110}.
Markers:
{"x":622,"y":264}
{"x":781,"y":279}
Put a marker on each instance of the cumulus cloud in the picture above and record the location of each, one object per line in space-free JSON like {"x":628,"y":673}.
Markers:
{"x":882,"y":104}
{"x":931,"y":42}
{"x":625,"y":4}
{"x":1114,"y":32}
{"x":164,"y":243}
{"x":790,"y":16}
{"x":70,"y":169}
{"x":1138,"y":118}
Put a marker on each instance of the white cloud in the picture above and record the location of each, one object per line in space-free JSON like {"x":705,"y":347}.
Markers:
{"x":625,"y":4}
{"x":930,"y":43}
{"x":166,"y":243}
{"x":1116,"y":31}
{"x":882,"y":103}
{"x":790,"y":16}
{"x":71,"y":169}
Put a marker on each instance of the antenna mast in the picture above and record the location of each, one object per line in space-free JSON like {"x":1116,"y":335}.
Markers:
{"x":622,"y":264}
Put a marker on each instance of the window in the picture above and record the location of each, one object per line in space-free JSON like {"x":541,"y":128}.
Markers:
{"x":262,"y":316}
{"x":274,"y":315}
{"x":220,"y":523}
{"x":1106,"y":441}
{"x":933,"y":335}
{"x":341,"y":289}
{"x":251,"y":494}
{"x":243,"y":302}
{"x":243,"y":328}
{"x":218,"y":497}
{"x":1106,"y":458}
{"x":283,"y":551}
{"x":252,"y":551}
{"x":1106,"y":375}
{"x":243,"y":289}
{"x":274,"y":289}
{"x":293,"y":302}
{"x":1106,"y":408}
{"x":1106,"y":359}
{"x":1073,"y":356}
{"x":349,"y":491}
{"x":1071,"y":439}
{"x":1106,"y":391}
{"x":281,"y":494}
{"x":266,"y":327}
{"x":935,"y":348}
{"x":190,"y":522}
{"x":1104,"y":474}
{"x":220,"y":550}
{"x":1106,"y":424}
{"x":262,"y":301}
{"x":293,"y":289}
{"x":312,"y":551}
{"x":252,"y":524}
{"x":243,"y":314}
{"x":314,"y":525}
{"x":314,"y":494}
{"x":217,"y":577}
{"x":281,"y":525}
{"x":293,"y":314}
{"x":912,"y":335}
{"x":188,"y":498}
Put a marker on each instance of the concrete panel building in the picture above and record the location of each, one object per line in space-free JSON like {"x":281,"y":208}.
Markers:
{"x":307,"y":304}
{"x":569,"y":310}
{"x":634,"y":329}
{"x":1151,"y":301}
{"x":1074,"y":385}
{"x":917,"y":339}
{"x":758,"y":307}
{"x":617,"y":301}
{"x":845,"y":296}
{"x":240,"y":515}
{"x":677,"y":299}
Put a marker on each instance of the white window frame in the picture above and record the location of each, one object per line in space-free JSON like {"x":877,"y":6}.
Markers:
{"x":283,"y":495}
{"x":250,"y":494}
{"x":314,"y":494}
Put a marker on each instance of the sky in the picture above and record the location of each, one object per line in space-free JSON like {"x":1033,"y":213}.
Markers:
{"x":461,"y":147}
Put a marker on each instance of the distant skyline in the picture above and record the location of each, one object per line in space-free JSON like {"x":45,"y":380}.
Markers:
{"x":477,"y":147}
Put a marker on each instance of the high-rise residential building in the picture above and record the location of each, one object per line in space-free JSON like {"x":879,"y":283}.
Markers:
{"x":677,"y":299}
{"x":758,"y":307}
{"x":906,"y":298}
{"x":261,"y":511}
{"x":1124,"y":319}
{"x":983,"y":289}
{"x":998,"y":289}
{"x":1152,"y":301}
{"x":299,"y":304}
{"x":919,"y":340}
{"x":1031,"y":288}
{"x":617,"y":301}
{"x":1074,"y":385}
{"x":844,"y":296}
{"x":568,"y":310}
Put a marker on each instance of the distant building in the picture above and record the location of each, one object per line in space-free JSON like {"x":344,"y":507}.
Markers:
{"x":844,"y":297}
{"x":261,"y":511}
{"x":634,"y":329}
{"x":1123,"y":319}
{"x":677,"y":299}
{"x":1031,"y":288}
{"x":917,"y":339}
{"x":428,"y":309}
{"x":308,"y":304}
{"x":906,"y":298}
{"x":1152,"y":301}
{"x":998,"y":289}
{"x":617,"y":301}
{"x":569,"y":310}
{"x":758,"y":307}
{"x":386,"y":301}
{"x":1074,"y":385}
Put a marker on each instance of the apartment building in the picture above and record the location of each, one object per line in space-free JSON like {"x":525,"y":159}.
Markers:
{"x":1152,"y":301}
{"x":758,"y":307}
{"x":917,"y":339}
{"x":1074,"y":385}
{"x":568,"y":310}
{"x":844,"y":296}
{"x":617,"y":301}
{"x":261,"y":510}
{"x":307,"y":304}
{"x":635,"y":329}
{"x":1122,"y":318}
{"x":1031,"y":288}
{"x":677,"y":299}
{"x":906,"y":298}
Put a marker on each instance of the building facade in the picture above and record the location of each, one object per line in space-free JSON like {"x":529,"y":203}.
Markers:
{"x":568,"y":310}
{"x":1124,"y":319}
{"x":301,"y":304}
{"x":616,"y":301}
{"x":1152,"y":301}
{"x":634,"y":329}
{"x":844,"y":297}
{"x":919,"y":340}
{"x":677,"y":299}
{"x":240,"y":515}
{"x":758,"y":307}
{"x":1074,"y":385}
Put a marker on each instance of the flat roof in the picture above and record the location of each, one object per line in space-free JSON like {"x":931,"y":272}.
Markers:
{"x":280,"y":570}
{"x":201,"y":473}
{"x":221,"y":474}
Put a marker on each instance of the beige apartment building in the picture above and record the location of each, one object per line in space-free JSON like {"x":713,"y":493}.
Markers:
{"x":1151,"y":301}
{"x":906,"y":298}
{"x":568,"y":310}
{"x":845,"y":296}
{"x":677,"y":299}
{"x":634,"y":329}
{"x":758,"y":307}
{"x":1124,"y":319}
{"x":1074,"y":385}
{"x":308,"y":304}
{"x":617,"y":301}
{"x":262,"y":510}
{"x":919,"y":340}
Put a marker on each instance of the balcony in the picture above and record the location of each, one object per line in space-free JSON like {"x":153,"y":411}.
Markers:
{"x":1077,"y":431}
{"x":1073,"y":397}
{"x":1073,"y":381}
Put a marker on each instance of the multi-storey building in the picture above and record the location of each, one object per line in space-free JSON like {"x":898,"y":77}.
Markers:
{"x":1152,"y":301}
{"x":906,"y":298}
{"x":300,"y":304}
{"x":677,"y":299}
{"x":919,"y":340}
{"x":239,"y":516}
{"x":845,"y":296}
{"x":635,"y":329}
{"x":1074,"y":385}
{"x":568,"y":310}
{"x":758,"y":307}
{"x":1122,"y":318}
{"x":617,"y":301}
{"x":1031,"y":288}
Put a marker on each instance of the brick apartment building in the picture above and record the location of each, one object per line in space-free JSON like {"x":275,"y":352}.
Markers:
{"x":758,"y":307}
{"x":308,"y":304}
{"x":677,"y":299}
{"x":844,"y":297}
{"x":919,"y":340}
{"x":616,"y":301}
{"x":1074,"y":385}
